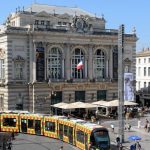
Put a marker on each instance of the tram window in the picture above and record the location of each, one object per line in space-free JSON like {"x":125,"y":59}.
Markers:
{"x":24,"y":121}
{"x":50,"y":126}
{"x":80,"y":136}
{"x":65,"y":130}
{"x":61,"y":128}
{"x":11,"y":122}
{"x":71,"y":130}
{"x":102,"y":138}
{"x":30,"y":124}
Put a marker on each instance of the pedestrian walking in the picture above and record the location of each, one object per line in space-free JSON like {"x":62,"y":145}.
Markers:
{"x":13,"y":135}
{"x":139,"y":123}
{"x":118,"y":141}
{"x":112,"y":127}
{"x":120,"y":146}
{"x":146,"y":122}
{"x":128,"y":127}
{"x":9,"y":146}
{"x":138,"y":146}
{"x":148,"y":126}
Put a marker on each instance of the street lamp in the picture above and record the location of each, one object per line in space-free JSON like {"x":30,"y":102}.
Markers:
{"x":121,"y":82}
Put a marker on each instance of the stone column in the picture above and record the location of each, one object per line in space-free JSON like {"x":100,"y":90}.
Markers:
{"x":45,"y":59}
{"x":107,"y":67}
{"x":90,"y":63}
{"x":63,"y":61}
{"x":34,"y":63}
{"x":86,"y":61}
{"x":67,"y":62}
{"x":110,"y":71}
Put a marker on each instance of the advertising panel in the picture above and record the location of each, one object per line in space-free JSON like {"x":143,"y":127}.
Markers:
{"x":128,"y":87}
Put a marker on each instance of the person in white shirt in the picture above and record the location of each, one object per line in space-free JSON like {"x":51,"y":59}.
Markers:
{"x":139,"y":123}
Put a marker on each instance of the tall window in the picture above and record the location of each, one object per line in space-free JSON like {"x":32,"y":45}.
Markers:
{"x":139,"y":85}
{"x":99,"y":64}
{"x":19,"y":70}
{"x":76,"y":58}
{"x":19,"y":65}
{"x":80,"y":96}
{"x":144,"y":60}
{"x":139,"y":71}
{"x":139,"y":60}
{"x":144,"y":71}
{"x":36,"y":22}
{"x":2,"y":69}
{"x":148,"y":87}
{"x":101,"y":94}
{"x":54,"y":68}
{"x":144,"y":84}
{"x":148,"y":71}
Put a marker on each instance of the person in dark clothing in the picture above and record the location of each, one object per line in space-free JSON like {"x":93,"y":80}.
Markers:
{"x":118,"y":141}
{"x":13,"y":135}
{"x":9,"y":146}
{"x":133,"y":147}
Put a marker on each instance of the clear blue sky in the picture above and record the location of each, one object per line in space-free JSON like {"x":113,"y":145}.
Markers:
{"x":131,"y":13}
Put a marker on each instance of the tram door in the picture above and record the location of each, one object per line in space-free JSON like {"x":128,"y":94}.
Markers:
{"x":38,"y":127}
{"x":71,"y":135}
{"x":61,"y":131}
{"x":24,"y":125}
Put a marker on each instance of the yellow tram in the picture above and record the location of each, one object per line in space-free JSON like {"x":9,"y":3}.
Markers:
{"x":31,"y":123}
{"x":50,"y":126}
{"x":82,"y":134}
{"x":9,"y":122}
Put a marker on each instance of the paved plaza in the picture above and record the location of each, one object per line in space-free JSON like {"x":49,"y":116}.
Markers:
{"x":31,"y":142}
{"x":145,"y":142}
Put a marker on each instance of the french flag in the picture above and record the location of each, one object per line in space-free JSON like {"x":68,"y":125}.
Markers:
{"x":80,"y":65}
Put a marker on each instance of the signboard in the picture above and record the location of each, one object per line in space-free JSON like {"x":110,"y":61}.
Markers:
{"x":40,"y":64}
{"x":128,"y":87}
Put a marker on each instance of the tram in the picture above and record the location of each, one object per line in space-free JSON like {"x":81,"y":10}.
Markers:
{"x":82,"y":134}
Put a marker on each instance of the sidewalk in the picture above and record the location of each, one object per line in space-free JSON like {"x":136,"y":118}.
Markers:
{"x":145,"y":142}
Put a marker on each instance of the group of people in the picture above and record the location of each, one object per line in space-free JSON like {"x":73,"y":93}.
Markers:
{"x":136,"y":146}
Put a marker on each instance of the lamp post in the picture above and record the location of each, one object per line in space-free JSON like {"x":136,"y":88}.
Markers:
{"x":121,"y":82}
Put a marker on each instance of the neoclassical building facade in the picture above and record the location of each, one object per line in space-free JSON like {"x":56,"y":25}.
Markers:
{"x":40,"y":48}
{"x":143,"y":76}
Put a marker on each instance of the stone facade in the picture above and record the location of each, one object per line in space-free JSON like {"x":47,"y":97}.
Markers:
{"x":143,"y":76}
{"x":40,"y":48}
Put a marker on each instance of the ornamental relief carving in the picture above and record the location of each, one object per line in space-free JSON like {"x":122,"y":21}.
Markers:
{"x":80,"y":23}
{"x":2,"y":53}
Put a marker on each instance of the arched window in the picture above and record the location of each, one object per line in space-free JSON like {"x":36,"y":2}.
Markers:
{"x":99,"y":64}
{"x":54,"y":64}
{"x":77,"y":56}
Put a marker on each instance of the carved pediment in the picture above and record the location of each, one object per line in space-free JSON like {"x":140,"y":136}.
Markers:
{"x":19,"y":58}
{"x":42,"y":14}
{"x":127,"y":61}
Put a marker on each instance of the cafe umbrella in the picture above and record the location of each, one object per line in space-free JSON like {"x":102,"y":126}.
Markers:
{"x":134,"y":138}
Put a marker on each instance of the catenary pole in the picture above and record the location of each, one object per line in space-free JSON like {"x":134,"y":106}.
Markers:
{"x":121,"y":82}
